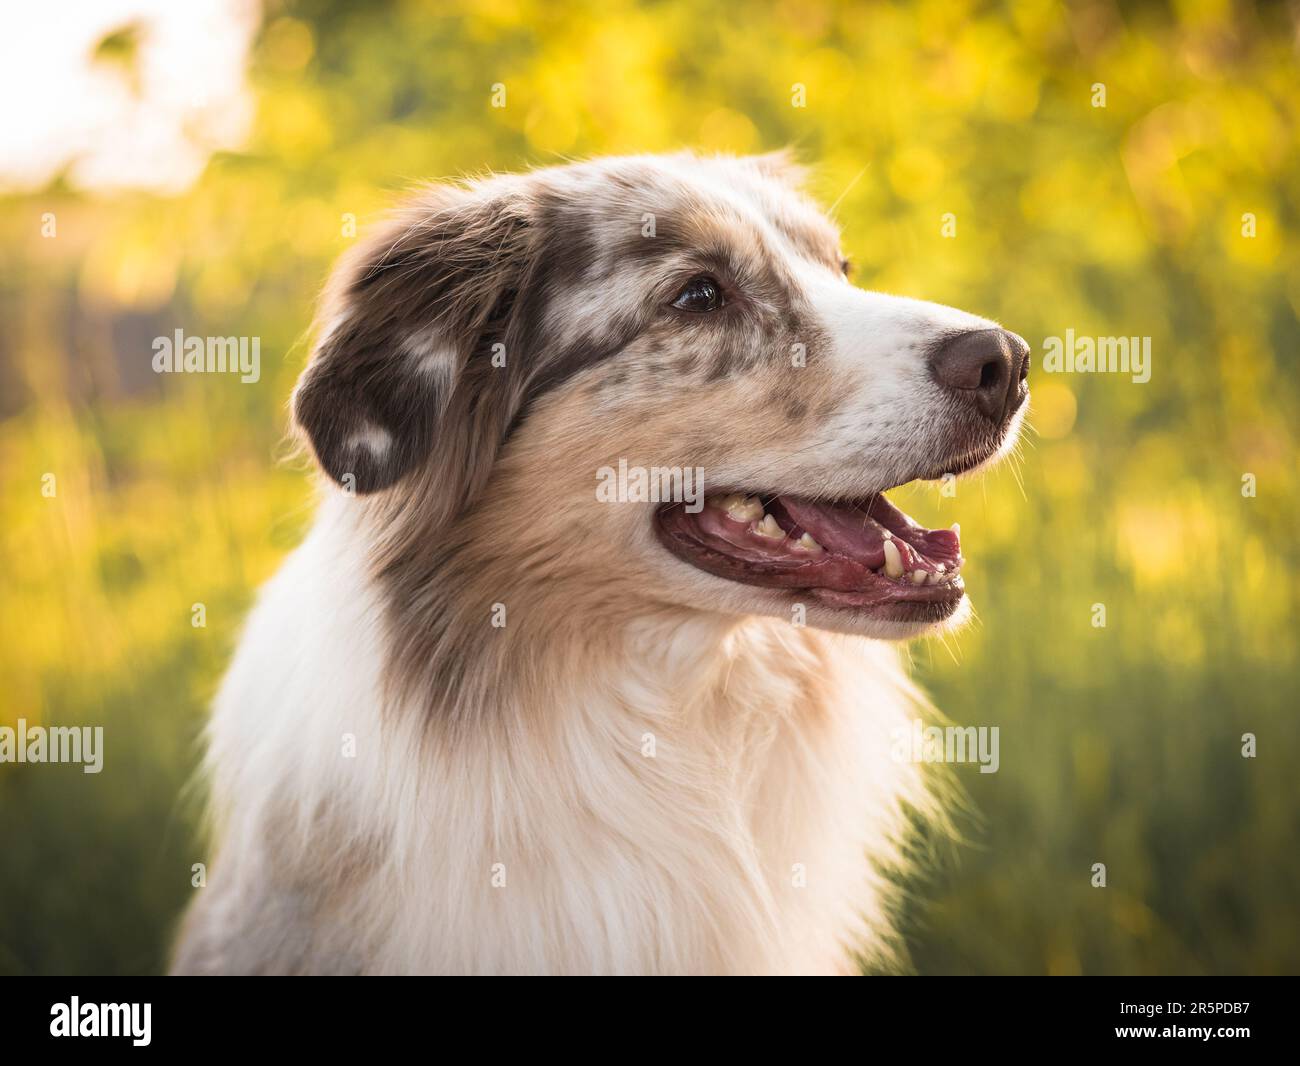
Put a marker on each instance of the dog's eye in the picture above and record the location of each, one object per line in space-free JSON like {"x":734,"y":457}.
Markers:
{"x":700,"y":294}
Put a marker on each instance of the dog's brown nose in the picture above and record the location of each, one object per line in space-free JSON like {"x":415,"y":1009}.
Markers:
{"x":988,"y":366}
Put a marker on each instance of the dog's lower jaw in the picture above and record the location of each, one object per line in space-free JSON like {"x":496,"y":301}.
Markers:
{"x":893,"y":630}
{"x":688,"y":793}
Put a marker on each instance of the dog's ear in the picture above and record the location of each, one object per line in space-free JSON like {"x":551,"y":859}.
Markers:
{"x":408,"y":315}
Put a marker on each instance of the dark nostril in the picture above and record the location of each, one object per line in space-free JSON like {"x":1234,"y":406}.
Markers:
{"x":986,"y":366}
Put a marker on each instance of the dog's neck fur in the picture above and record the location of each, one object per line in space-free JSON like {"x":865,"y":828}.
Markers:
{"x":652,"y":790}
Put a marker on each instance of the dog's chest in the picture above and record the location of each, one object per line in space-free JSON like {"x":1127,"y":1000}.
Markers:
{"x":732,"y":833}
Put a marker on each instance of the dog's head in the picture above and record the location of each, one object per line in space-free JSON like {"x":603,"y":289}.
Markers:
{"x":547,"y":366}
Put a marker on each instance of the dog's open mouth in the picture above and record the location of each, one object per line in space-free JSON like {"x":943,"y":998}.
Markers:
{"x":854,"y":553}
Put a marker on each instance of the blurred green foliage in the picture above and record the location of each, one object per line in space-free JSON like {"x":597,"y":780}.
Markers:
{"x":1120,"y":744}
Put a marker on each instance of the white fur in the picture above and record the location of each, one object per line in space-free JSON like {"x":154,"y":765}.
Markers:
{"x":614,"y":861}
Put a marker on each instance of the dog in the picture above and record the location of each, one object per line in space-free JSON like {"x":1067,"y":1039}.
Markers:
{"x":487,"y":720}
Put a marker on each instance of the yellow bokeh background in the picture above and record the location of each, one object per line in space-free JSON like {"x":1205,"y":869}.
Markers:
{"x":1111,"y":170}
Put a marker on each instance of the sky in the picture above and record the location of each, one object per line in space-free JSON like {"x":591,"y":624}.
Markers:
{"x":148,"y":124}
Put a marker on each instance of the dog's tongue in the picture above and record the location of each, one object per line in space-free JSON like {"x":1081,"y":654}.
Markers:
{"x":859,"y":531}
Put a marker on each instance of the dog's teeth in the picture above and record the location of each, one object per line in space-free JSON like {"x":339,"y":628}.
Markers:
{"x":918,"y":577}
{"x":743,"y":508}
{"x":769,"y":528}
{"x":943,"y":568}
{"x":956,"y":528}
{"x":807,"y":543}
{"x":893,"y":561}
{"x":935,"y":578}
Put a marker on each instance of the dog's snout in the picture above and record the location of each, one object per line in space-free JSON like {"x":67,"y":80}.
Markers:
{"x":989,"y":366}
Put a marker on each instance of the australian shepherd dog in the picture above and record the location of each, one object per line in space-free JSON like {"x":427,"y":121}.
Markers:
{"x":500,"y":714}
